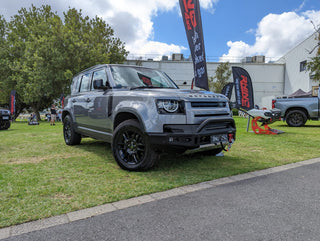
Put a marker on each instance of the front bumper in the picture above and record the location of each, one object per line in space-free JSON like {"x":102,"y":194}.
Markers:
{"x":213,"y":133}
{"x":5,"y":117}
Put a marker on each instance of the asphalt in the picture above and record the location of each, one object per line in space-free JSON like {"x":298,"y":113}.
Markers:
{"x":281,"y":203}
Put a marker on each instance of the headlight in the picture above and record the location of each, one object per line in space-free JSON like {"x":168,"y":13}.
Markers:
{"x":170,"y":106}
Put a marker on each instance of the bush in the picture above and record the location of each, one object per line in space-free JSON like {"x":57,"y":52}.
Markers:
{"x":235,"y":112}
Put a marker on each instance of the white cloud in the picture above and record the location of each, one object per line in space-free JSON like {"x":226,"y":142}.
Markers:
{"x":276,"y":34}
{"x":132,"y":22}
{"x":301,"y":6}
{"x":237,"y":49}
{"x":313,"y":16}
{"x":131,"y":19}
{"x":208,"y":4}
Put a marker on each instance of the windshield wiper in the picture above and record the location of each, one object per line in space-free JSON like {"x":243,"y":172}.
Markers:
{"x":151,"y":87}
{"x":144,"y":87}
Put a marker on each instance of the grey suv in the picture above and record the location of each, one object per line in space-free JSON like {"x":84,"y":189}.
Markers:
{"x":142,"y":113}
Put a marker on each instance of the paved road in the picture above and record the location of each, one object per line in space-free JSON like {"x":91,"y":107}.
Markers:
{"x":282,"y":205}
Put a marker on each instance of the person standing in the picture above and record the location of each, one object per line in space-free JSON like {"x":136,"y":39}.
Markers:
{"x":53,"y":115}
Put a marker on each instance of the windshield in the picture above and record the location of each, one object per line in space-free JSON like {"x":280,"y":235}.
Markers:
{"x":135,"y":77}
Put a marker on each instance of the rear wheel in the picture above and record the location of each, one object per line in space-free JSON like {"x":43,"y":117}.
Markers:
{"x":296,"y":118}
{"x":131,"y":148}
{"x":7,"y":125}
{"x":70,"y":136}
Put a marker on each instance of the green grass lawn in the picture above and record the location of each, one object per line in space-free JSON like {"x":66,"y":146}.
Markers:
{"x":40,"y":176}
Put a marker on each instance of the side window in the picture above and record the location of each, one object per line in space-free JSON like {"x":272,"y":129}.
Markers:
{"x":100,"y":74}
{"x":75,"y":85}
{"x":85,"y":82}
{"x":303,"y":65}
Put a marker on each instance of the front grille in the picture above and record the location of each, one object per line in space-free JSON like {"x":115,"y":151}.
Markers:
{"x":208,"y":104}
{"x":215,"y":126}
{"x":170,"y":129}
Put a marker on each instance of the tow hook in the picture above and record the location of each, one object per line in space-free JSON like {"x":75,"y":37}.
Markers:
{"x":231,"y":141}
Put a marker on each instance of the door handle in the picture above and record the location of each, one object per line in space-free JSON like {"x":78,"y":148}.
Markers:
{"x":88,"y":100}
{"x":74,"y":100}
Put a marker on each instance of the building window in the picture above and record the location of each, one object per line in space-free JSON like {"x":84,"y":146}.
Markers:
{"x":303,"y":66}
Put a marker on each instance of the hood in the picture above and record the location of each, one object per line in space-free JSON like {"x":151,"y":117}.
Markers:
{"x":178,"y":93}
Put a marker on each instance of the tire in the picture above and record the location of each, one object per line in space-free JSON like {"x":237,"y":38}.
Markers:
{"x":7,"y":125}
{"x":296,"y":118}
{"x":70,"y":136}
{"x":131,"y":148}
{"x":4,"y":125}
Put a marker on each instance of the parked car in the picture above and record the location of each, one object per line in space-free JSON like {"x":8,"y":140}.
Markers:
{"x":143,"y":113}
{"x":5,"y":119}
{"x":297,"y":110}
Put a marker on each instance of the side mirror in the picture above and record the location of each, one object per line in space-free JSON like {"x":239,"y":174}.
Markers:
{"x":98,"y":84}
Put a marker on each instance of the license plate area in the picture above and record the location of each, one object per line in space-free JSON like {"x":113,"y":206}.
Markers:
{"x":5,"y":117}
{"x":219,"y":138}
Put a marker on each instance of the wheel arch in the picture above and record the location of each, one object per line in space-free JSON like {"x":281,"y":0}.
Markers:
{"x":126,"y":115}
{"x":65,"y":113}
{"x":296,"y":108}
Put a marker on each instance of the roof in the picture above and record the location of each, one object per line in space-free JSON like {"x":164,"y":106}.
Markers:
{"x":300,"y":93}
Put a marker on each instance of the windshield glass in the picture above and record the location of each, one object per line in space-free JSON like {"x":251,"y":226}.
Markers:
{"x":133,"y":77}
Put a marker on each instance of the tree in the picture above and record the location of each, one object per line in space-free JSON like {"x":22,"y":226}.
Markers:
{"x":6,"y":83}
{"x":4,"y":66}
{"x":31,"y":36}
{"x":88,"y":42}
{"x":44,"y":52}
{"x":314,"y":65}
{"x":221,"y":77}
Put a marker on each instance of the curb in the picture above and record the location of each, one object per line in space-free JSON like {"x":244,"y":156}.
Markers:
{"x":110,"y":207}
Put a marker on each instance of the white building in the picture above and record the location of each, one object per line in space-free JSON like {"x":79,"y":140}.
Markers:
{"x":269,"y":80}
{"x":296,"y":76}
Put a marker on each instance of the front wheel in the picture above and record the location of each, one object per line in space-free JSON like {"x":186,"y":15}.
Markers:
{"x":296,"y":118}
{"x":70,"y":136}
{"x":4,"y":125}
{"x":131,"y":148}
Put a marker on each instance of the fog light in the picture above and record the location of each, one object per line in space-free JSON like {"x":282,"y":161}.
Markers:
{"x":170,"y":139}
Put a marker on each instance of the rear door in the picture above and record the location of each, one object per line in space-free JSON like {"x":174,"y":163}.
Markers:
{"x":80,"y":102}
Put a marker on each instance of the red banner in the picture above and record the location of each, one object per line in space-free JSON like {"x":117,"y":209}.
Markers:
{"x":13,"y":102}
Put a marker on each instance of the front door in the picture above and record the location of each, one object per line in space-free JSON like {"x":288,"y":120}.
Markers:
{"x":99,"y":109}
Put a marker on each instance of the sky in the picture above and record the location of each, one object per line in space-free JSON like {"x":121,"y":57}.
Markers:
{"x":232,"y":29}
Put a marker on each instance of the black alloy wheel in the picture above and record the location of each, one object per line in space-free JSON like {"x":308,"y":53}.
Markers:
{"x":296,"y":118}
{"x":4,"y":124}
{"x":70,"y":136}
{"x":130,"y":147}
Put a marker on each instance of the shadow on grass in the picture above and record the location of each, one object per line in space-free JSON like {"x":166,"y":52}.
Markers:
{"x":173,"y":163}
{"x":307,"y":126}
{"x":176,"y":169}
{"x":95,"y":146}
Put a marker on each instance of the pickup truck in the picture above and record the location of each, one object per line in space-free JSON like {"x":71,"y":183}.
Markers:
{"x":297,"y":110}
{"x":142,"y":113}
